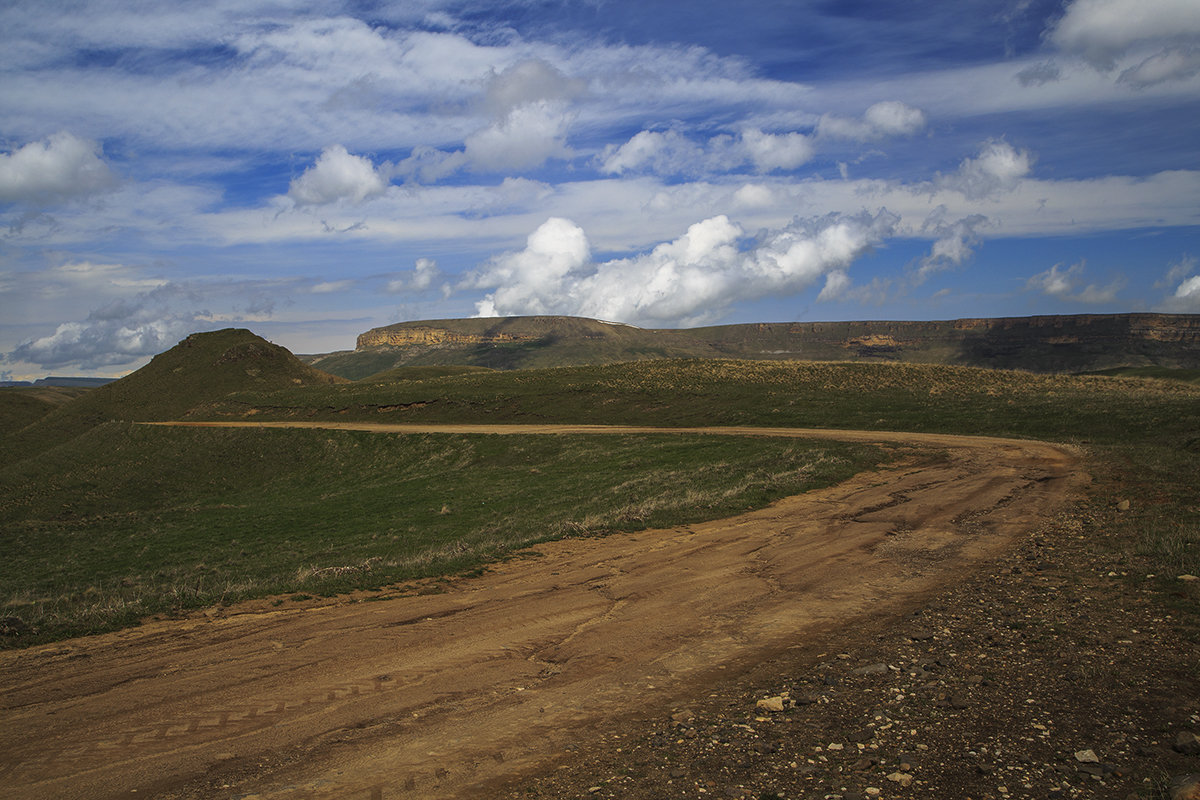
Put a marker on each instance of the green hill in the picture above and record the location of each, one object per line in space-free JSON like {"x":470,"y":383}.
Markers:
{"x":202,"y":368}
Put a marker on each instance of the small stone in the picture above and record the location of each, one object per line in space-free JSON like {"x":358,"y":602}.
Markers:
{"x":1185,"y":787}
{"x":1123,"y":505}
{"x":1087,"y":757}
{"x":1188,"y":578}
{"x":902,"y":778}
{"x":1187,"y":743}
{"x":921,"y":635}
{"x":871,"y":669}
{"x":836,"y":746}
{"x":873,"y":791}
{"x":771,"y":705}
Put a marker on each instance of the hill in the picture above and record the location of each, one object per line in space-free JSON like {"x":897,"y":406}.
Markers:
{"x":1038,"y":344}
{"x":200,"y":369}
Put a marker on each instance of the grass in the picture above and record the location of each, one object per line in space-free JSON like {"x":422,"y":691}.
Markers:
{"x":148,"y":520}
{"x":795,"y":394}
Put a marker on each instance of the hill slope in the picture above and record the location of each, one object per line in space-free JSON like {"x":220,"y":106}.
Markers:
{"x":201,"y":368}
{"x":1038,"y":344}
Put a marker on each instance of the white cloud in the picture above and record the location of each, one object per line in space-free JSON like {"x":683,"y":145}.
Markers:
{"x":955,"y":243}
{"x":1103,"y":30}
{"x":329,"y":287}
{"x":424,"y":274}
{"x":60,"y":167}
{"x":690,"y":280}
{"x":661,"y":152}
{"x":337,"y":175}
{"x":1189,"y":289}
{"x":770,"y":151}
{"x":883,"y":119}
{"x":997,"y":169}
{"x":527,"y":136}
{"x":528,"y":82}
{"x":1181,"y":269}
{"x":1065,"y":284}
{"x":672,"y":153}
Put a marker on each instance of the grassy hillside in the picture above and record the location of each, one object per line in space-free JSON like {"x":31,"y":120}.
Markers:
{"x":142,"y":520}
{"x":797,"y":394}
{"x":201,"y":368}
{"x":1161,"y":373}
{"x":22,"y":406}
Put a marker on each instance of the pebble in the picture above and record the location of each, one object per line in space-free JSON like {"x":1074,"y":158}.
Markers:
{"x":772,"y":705}
{"x":1087,"y":757}
{"x":871,"y":669}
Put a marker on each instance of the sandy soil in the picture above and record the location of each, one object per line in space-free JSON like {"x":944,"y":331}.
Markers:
{"x":456,"y":694}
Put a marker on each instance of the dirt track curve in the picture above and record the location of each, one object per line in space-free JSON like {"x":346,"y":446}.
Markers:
{"x":444,"y":695}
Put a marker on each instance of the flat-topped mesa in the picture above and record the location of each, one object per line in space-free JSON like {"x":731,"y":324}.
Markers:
{"x":405,"y":337}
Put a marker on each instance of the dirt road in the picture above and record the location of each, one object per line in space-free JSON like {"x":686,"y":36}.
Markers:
{"x":444,"y":695}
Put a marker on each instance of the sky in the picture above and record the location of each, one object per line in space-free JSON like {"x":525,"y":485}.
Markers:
{"x":311,"y":170}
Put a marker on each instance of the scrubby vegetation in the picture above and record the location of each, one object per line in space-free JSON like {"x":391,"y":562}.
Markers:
{"x":131,"y":520}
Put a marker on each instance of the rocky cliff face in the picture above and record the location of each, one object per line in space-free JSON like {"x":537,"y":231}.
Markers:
{"x":414,"y":337}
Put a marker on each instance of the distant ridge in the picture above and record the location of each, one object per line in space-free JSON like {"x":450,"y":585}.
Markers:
{"x":64,"y":382}
{"x":1075,"y":343}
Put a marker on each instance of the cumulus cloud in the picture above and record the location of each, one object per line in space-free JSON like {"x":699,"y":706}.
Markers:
{"x":770,"y":151}
{"x":690,"y":280}
{"x":527,"y":136}
{"x":1189,"y":289}
{"x":883,"y":119}
{"x":1185,"y":286}
{"x":529,"y":107}
{"x":421,"y":278}
{"x":1103,"y":30}
{"x":60,"y":167}
{"x":998,"y":168}
{"x":1066,"y":284}
{"x":337,"y":175}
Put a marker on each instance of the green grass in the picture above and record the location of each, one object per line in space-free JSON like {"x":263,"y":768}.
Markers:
{"x":796,"y":394}
{"x":141,"y":520}
{"x":1161,"y":373}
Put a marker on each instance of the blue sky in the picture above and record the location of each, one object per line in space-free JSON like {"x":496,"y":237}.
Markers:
{"x":312,"y":170}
